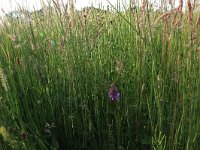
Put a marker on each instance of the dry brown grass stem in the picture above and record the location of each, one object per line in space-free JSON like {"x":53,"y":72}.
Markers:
{"x":198,"y":22}
{"x":163,"y":16}
{"x":69,"y":26}
{"x":177,"y":12}
{"x":189,"y":12}
{"x":144,"y":3}
{"x":174,"y":20}
{"x":180,"y":5}
{"x":177,"y":23}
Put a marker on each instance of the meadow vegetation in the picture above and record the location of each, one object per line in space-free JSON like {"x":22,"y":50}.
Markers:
{"x":56,"y":71}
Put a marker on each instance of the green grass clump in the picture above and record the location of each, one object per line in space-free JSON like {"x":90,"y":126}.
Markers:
{"x":56,"y":71}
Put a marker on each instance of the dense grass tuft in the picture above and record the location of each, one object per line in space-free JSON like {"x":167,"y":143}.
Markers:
{"x":56,"y":72}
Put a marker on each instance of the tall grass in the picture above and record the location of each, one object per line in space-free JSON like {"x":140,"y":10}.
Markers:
{"x":56,"y":72}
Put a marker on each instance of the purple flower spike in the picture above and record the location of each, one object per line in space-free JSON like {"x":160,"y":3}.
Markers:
{"x":113,"y":93}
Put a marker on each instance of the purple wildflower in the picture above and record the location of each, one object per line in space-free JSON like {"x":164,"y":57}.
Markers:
{"x":113,"y":93}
